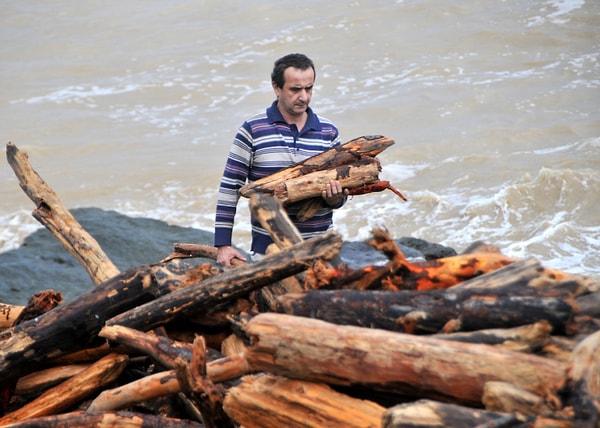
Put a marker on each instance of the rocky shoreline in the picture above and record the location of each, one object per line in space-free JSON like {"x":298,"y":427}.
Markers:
{"x":42,"y":262}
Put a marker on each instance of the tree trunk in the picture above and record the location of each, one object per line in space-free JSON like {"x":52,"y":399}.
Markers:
{"x":433,"y":311}
{"x":314,"y":350}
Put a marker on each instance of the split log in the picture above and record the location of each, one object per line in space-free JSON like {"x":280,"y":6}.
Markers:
{"x":530,"y":272}
{"x":433,"y":311}
{"x":40,"y":381}
{"x":72,"y":391}
{"x":50,"y":212}
{"x":230,"y":284}
{"x":308,"y":349}
{"x":104,"y":420}
{"x":267,"y":400}
{"x":432,"y":414}
{"x":362,"y":172}
{"x":366,"y":146}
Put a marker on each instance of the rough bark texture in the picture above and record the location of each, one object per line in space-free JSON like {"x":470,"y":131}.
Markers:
{"x":433,"y":311}
{"x":314,"y":350}
{"x":230,"y":284}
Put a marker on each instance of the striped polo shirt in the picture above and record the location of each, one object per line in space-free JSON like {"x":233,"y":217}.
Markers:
{"x":263,"y":145}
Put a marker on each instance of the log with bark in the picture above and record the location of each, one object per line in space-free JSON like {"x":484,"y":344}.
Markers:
{"x":353,"y":164}
{"x":315,"y":350}
{"x":72,"y":391}
{"x":310,"y":370}
{"x":230,"y":284}
{"x":74,"y":325}
{"x":434,"y":311}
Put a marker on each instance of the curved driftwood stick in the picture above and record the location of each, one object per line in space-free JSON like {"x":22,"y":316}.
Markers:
{"x":50,"y":212}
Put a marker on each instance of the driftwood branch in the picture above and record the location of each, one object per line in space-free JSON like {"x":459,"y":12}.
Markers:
{"x":50,"y":212}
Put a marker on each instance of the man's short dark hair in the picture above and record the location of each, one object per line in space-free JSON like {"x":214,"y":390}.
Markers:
{"x":296,"y":60}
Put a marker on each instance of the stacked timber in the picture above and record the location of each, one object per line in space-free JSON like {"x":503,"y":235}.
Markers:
{"x":293,"y":340}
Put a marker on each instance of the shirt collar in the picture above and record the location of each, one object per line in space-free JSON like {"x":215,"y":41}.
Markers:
{"x":274,"y":116}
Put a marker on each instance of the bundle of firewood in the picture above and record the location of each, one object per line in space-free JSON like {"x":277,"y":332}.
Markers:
{"x":478,"y":339}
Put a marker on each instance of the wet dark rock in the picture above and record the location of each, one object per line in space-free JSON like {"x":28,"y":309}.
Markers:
{"x":42,"y":263}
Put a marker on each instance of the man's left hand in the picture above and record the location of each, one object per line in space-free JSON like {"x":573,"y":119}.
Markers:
{"x":333,"y":195}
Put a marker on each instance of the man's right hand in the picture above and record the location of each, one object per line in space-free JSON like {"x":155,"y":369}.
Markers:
{"x":227,"y":253}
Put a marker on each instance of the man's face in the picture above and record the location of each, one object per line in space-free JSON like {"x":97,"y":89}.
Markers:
{"x":294,"y":97}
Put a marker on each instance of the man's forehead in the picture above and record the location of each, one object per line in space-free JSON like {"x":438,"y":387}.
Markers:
{"x":297,"y":77}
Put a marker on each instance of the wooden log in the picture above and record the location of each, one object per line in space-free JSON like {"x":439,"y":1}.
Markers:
{"x":267,"y":400}
{"x":345,"y":154}
{"x":507,"y":398}
{"x":583,"y":381}
{"x":432,"y":414}
{"x":160,"y":348}
{"x":530,"y":272}
{"x":72,"y":391}
{"x":40,"y":381}
{"x":230,"y":284}
{"x":106,"y":420}
{"x":433,"y":311}
{"x":364,"y":171}
{"x":183,"y":250}
{"x":73,"y":325}
{"x":314,"y":350}
{"x":60,"y":222}
{"x":164,"y":383}
{"x":271,"y":215}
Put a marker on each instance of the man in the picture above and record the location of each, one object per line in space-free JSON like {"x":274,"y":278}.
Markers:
{"x":286,"y":133}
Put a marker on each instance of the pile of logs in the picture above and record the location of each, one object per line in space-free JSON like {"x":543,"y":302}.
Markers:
{"x":474,"y":340}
